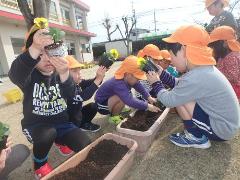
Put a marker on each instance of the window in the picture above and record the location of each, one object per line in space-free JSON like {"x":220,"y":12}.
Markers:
{"x":86,"y":48}
{"x":71,"y":48}
{"x":79,"y":20}
{"x":17,"y":45}
{"x":65,"y":13}
{"x":66,"y":16}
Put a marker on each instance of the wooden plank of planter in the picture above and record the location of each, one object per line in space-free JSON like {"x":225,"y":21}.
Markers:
{"x":117,"y":173}
{"x":143,"y":138}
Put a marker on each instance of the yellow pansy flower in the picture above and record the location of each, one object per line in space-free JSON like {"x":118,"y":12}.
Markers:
{"x":114,"y":53}
{"x":41,"y":22}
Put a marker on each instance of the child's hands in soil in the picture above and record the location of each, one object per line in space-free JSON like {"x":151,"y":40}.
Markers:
{"x":152,"y":77}
{"x":4,"y":154}
{"x":153,"y":108}
{"x":40,"y":40}
{"x":3,"y":157}
{"x":61,"y":66}
{"x":100,"y":75}
{"x":152,"y":100}
{"x":8,"y":145}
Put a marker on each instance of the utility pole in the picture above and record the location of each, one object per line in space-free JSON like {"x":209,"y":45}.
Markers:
{"x":155,"y":22}
{"x":134,"y":17}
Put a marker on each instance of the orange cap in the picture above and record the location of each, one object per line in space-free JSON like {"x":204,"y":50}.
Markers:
{"x":152,"y":51}
{"x":130,"y":65}
{"x":73,"y":63}
{"x":165,"y":54}
{"x":210,"y":2}
{"x":228,"y":34}
{"x":140,"y":53}
{"x":196,"y":39}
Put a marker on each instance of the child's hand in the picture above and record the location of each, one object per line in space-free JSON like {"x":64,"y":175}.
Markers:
{"x":4,"y":154}
{"x":153,"y":108}
{"x":100,"y":74}
{"x":151,"y":100}
{"x":40,"y":40}
{"x":152,"y":77}
{"x":160,"y":70}
{"x":3,"y":157}
{"x":61,"y":66}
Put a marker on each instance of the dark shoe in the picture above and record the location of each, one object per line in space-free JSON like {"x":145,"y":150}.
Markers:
{"x":90,"y":127}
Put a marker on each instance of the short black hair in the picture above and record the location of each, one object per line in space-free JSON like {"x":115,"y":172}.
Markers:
{"x":219,"y":50}
{"x":30,"y":40}
{"x":218,"y":1}
{"x":174,"y":47}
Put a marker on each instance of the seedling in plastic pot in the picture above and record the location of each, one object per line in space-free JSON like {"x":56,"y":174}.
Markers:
{"x":147,"y":65}
{"x":4,"y":132}
{"x":108,"y":59}
{"x":58,"y":48}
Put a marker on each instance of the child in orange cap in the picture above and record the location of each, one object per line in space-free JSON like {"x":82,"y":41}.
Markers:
{"x":152,"y":52}
{"x":165,"y":63}
{"x":81,"y":115}
{"x":203,"y":96}
{"x":226,"y":50}
{"x":221,"y":16}
{"x":115,"y":93}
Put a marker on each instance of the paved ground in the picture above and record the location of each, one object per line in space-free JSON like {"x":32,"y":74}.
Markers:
{"x":162,"y":161}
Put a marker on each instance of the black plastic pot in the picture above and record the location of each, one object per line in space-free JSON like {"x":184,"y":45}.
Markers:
{"x":3,"y":143}
{"x":106,"y":61}
{"x":57,"y":49}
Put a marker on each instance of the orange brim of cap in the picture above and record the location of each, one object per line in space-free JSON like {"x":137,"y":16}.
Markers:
{"x":234,"y":45}
{"x":140,"y":53}
{"x":170,"y":39}
{"x":119,"y":74}
{"x":200,"y":55}
{"x":159,"y":57}
{"x":169,"y":59}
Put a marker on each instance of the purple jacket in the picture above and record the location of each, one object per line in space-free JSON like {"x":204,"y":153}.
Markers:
{"x":123,"y":91}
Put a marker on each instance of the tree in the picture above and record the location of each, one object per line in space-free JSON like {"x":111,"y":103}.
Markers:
{"x":128,"y":30}
{"x":40,"y":9}
{"x":233,"y":5}
{"x":107,"y":24}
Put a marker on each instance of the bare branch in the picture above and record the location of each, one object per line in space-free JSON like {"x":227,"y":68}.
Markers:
{"x":233,"y":5}
{"x":133,"y":24}
{"x":121,"y":34}
{"x":26,"y":12}
{"x":113,"y":31}
{"x":40,"y":8}
{"x":48,"y":4}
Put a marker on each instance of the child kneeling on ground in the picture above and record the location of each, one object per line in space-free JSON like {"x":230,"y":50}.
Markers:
{"x":203,"y":96}
{"x":80,"y":115}
{"x":115,"y":93}
{"x":46,"y":83}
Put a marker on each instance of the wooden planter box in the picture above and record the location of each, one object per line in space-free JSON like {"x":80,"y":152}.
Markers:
{"x":143,"y":138}
{"x":117,"y":172}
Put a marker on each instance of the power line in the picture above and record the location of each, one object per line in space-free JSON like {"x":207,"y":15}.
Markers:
{"x":143,"y":13}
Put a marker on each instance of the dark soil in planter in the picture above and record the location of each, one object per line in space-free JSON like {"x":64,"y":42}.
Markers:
{"x":98,"y":164}
{"x":141,"y":121}
{"x":3,"y":143}
{"x":55,"y":45}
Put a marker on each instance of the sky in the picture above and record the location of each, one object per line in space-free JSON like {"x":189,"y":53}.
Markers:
{"x":169,"y":14}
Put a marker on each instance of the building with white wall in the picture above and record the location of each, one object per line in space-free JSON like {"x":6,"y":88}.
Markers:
{"x":68,"y":15}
